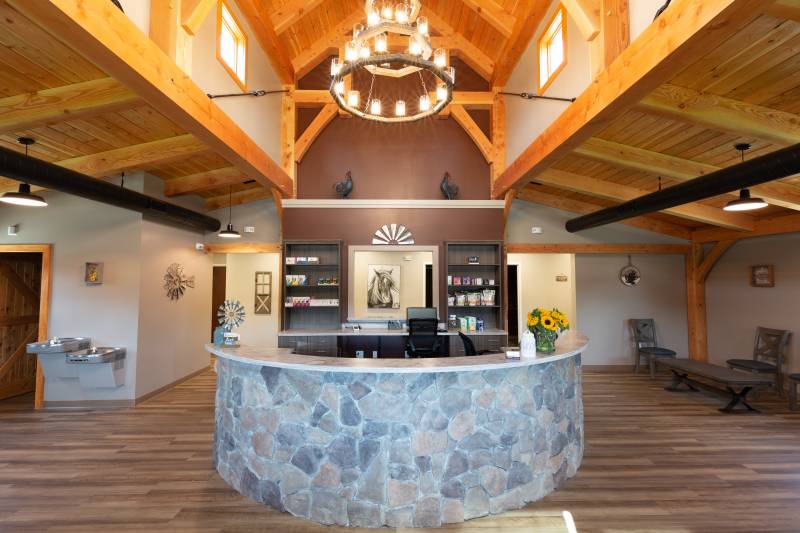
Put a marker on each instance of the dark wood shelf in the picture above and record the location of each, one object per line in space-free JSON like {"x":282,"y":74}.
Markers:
{"x":474,"y":265}
{"x":473,"y":306}
{"x":473,"y":286}
{"x":490,"y":265}
{"x":330,"y":265}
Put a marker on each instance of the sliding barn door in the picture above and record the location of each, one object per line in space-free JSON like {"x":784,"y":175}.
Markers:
{"x":20,"y":282}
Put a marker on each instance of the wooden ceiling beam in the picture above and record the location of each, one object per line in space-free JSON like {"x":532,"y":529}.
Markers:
{"x":622,"y":193}
{"x":663,"y":50}
{"x":310,"y":134}
{"x":238,"y":198}
{"x":134,"y":157}
{"x":203,"y":181}
{"x":70,"y":102}
{"x":632,"y":157}
{"x":291,"y":12}
{"x":460,"y":46}
{"x":586,"y":14}
{"x":326,"y":45}
{"x":775,"y":225}
{"x":194,"y":13}
{"x":256,"y":14}
{"x":580,"y":207}
{"x":528,"y":17}
{"x":494,"y":14}
{"x":463,"y":118}
{"x":614,"y":37}
{"x":107,"y":37}
{"x":785,"y":9}
{"x":724,"y":114}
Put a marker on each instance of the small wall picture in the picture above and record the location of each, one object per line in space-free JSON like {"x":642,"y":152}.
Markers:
{"x":263,"y":293}
{"x":762,"y":276}
{"x":383,"y":286}
{"x":93,"y":274}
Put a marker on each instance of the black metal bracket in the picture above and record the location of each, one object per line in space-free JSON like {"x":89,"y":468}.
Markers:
{"x":531,"y":96}
{"x":249,"y":93}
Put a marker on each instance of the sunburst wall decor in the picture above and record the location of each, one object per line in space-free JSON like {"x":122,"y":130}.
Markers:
{"x":392,"y":234}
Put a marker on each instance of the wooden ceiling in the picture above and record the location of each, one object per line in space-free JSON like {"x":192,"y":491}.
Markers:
{"x":744,"y":88}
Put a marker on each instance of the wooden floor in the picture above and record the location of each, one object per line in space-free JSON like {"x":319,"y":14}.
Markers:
{"x":655,"y":461}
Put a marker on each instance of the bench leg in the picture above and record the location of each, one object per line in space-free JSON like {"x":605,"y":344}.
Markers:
{"x":793,"y":403}
{"x":679,"y":379}
{"x":651,"y":361}
{"x":737,"y":398}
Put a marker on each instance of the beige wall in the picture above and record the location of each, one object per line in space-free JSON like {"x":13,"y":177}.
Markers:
{"x":537,"y":285}
{"x":171,"y":332}
{"x":240,"y":275}
{"x":526,"y":119}
{"x":139,"y":13}
{"x":412,"y":282}
{"x":735,"y":308}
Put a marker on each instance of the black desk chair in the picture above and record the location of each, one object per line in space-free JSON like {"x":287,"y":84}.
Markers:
{"x":423,"y":338}
{"x":469,"y":346}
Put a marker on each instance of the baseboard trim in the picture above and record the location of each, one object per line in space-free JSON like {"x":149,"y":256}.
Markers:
{"x":610,"y":369}
{"x":89,"y":404}
{"x":153,"y":394}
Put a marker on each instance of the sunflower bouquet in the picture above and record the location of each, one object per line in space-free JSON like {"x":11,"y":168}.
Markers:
{"x":546,"y":325}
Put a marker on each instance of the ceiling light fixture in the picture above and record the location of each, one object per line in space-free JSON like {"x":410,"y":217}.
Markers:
{"x":745,"y":202}
{"x":23,"y":196}
{"x":383,"y":22}
{"x":229,"y":232}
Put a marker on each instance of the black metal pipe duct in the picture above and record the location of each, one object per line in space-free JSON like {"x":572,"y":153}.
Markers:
{"x":772,"y":166}
{"x":20,"y":167}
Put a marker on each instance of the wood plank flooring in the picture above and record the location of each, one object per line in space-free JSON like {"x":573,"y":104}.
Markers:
{"x":655,"y":461}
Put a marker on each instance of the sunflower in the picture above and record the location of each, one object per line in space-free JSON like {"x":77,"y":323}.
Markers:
{"x":549,"y":323}
{"x":532,"y":321}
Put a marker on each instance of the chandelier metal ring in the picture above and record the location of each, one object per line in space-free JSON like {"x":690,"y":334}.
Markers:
{"x":405,"y":59}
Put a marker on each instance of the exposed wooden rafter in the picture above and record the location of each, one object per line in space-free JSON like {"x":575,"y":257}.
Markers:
{"x":468,"y":99}
{"x":310,"y":134}
{"x":724,"y":114}
{"x":326,"y":45}
{"x":494,"y":14}
{"x":460,"y":46}
{"x":624,"y":156}
{"x":291,"y":12}
{"x":586,"y":14}
{"x":106,"y":36}
{"x":614,"y":37}
{"x":577,"y":206}
{"x":237,"y":198}
{"x":775,"y":225}
{"x":194,"y":12}
{"x":622,"y":193}
{"x":528,"y":18}
{"x":652,"y":59}
{"x":256,"y":13}
{"x":70,"y":102}
{"x":203,"y":181}
{"x":474,"y":131}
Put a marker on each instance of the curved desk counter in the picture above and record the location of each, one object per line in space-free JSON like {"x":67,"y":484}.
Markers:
{"x":397,"y":442}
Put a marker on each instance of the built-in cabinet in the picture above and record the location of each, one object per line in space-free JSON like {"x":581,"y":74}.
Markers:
{"x":474,"y":269}
{"x":311,"y":285}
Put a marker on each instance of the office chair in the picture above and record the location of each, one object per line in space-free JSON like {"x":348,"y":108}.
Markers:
{"x":421,"y":312}
{"x":423,"y":339}
{"x":469,"y":346}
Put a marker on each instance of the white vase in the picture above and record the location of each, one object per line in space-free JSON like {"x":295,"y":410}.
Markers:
{"x":527,"y":345}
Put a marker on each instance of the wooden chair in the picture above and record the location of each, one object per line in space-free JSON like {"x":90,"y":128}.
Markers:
{"x":794,"y":383}
{"x":768,"y":355}
{"x":644,"y":335}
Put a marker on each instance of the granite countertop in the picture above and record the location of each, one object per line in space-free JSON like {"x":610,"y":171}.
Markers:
{"x":375,"y":332}
{"x":569,"y":344}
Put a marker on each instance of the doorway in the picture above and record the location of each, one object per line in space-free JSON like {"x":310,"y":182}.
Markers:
{"x":218,"y":280}
{"x":513,"y":305}
{"x":24,"y":305}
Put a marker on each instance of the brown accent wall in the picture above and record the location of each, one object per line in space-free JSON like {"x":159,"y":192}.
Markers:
{"x":429,"y":227}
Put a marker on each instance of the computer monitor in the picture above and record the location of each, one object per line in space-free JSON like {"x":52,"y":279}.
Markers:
{"x":421,"y":312}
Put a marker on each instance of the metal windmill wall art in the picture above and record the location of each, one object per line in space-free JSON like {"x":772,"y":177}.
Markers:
{"x":176,"y":282}
{"x":231,"y":314}
{"x":630,"y":275}
{"x":392,"y":234}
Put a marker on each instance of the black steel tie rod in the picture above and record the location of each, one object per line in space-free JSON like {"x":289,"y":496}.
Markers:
{"x":772,"y":166}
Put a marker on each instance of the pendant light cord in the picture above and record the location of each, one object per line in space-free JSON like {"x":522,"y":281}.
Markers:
{"x":230,"y":205}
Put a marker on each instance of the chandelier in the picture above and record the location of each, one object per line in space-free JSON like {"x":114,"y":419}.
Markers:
{"x":368,"y":51}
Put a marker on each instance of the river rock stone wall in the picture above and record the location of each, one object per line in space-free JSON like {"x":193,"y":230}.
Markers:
{"x":398,"y":450}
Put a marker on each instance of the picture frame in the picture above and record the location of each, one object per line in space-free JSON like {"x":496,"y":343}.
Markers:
{"x":93,"y":273}
{"x":762,"y":276}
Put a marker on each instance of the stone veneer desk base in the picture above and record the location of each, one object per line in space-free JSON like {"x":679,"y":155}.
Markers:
{"x":399,"y":443}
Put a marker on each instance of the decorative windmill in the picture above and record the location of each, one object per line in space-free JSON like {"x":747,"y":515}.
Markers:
{"x":231,"y":314}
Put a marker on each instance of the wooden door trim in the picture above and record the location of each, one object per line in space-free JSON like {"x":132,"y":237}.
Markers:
{"x":44,"y":302}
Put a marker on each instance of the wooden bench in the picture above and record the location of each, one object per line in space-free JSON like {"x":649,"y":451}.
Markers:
{"x":730,"y":379}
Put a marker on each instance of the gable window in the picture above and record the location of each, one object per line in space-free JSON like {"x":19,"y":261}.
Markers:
{"x":552,"y":49}
{"x":231,"y":45}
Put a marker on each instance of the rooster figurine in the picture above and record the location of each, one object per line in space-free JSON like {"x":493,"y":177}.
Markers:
{"x":343,"y":188}
{"x":449,"y":190}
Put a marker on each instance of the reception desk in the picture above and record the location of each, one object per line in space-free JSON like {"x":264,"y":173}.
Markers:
{"x":397,"y":442}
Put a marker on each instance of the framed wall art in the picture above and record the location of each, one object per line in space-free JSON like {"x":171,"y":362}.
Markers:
{"x":93,"y":274}
{"x":263,"y":305}
{"x":762,"y":276}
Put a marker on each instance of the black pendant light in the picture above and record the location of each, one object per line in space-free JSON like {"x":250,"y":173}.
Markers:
{"x":745,"y":202}
{"x":23,"y":196}
{"x":229,"y":232}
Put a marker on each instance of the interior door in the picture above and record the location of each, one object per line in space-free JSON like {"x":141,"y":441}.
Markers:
{"x":20,"y":282}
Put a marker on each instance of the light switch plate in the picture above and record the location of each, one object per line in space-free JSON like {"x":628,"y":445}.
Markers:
{"x":13,"y":230}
